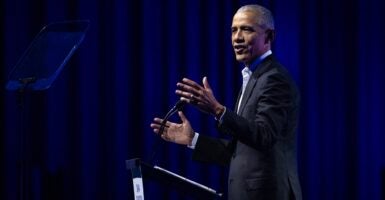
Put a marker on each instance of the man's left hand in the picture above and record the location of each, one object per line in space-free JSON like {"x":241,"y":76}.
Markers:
{"x":200,"y":96}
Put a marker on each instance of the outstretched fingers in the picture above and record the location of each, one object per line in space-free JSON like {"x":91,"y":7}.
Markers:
{"x":157,"y":124}
{"x":188,"y":88}
{"x":191,"y":83}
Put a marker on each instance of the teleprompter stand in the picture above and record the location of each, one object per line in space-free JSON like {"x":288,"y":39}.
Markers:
{"x":142,"y":172}
{"x":36,"y":70}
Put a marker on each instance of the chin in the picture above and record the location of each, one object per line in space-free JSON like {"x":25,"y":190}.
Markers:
{"x":242,"y":59}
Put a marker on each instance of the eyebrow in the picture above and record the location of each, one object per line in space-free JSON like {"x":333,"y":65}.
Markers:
{"x":242,"y":27}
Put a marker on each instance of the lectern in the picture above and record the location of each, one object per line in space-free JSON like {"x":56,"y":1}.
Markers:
{"x":142,"y":172}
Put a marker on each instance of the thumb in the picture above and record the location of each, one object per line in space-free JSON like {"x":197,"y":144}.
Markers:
{"x":206,"y":83}
{"x":182,"y":116}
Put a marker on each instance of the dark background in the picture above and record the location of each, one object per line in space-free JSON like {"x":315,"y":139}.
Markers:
{"x":97,"y":114}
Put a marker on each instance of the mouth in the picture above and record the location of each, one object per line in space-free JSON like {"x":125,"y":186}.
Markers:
{"x":240,"y":49}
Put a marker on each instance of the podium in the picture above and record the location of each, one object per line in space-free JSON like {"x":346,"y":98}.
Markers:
{"x":142,"y":172}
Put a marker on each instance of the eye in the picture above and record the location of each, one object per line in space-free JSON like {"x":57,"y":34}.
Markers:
{"x":247,"y":29}
{"x":233,"y":30}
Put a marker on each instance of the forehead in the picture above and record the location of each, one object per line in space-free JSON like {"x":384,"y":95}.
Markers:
{"x":245,"y":18}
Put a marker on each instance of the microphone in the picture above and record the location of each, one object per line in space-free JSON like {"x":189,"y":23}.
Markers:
{"x":178,"y":106}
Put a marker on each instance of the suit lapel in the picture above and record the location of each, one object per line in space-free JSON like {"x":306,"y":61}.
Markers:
{"x":260,"y":69}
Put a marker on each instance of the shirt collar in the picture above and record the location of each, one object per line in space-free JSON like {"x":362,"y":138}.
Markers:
{"x":255,"y":63}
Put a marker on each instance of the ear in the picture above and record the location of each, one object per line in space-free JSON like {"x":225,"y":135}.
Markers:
{"x":270,"y":36}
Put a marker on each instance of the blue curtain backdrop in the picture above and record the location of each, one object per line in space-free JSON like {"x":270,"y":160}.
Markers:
{"x":97,"y":114}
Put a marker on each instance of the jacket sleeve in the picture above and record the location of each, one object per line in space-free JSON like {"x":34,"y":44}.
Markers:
{"x":213,"y":150}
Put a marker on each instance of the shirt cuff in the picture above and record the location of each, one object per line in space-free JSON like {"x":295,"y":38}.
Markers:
{"x":194,"y":141}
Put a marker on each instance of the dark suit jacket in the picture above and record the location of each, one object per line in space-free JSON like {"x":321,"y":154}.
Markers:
{"x":262,"y":154}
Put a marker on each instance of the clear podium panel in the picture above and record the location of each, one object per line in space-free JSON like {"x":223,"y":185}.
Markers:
{"x":46,"y":56}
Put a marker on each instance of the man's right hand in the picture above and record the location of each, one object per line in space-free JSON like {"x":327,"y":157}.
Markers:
{"x":173,"y":132}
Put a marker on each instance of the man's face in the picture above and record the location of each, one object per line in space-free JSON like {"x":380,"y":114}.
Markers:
{"x":249,"y":40}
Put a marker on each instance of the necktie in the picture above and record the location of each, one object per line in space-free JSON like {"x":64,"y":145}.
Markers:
{"x":246,"y":73}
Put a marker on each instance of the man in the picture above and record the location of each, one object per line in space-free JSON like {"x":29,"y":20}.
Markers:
{"x":262,"y":153}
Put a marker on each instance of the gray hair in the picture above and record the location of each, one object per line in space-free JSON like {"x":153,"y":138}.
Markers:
{"x":264,"y":16}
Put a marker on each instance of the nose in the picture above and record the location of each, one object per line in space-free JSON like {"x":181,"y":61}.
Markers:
{"x":238,"y":36}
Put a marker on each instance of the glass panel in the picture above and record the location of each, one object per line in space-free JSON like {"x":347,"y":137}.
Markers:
{"x":46,"y":56}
